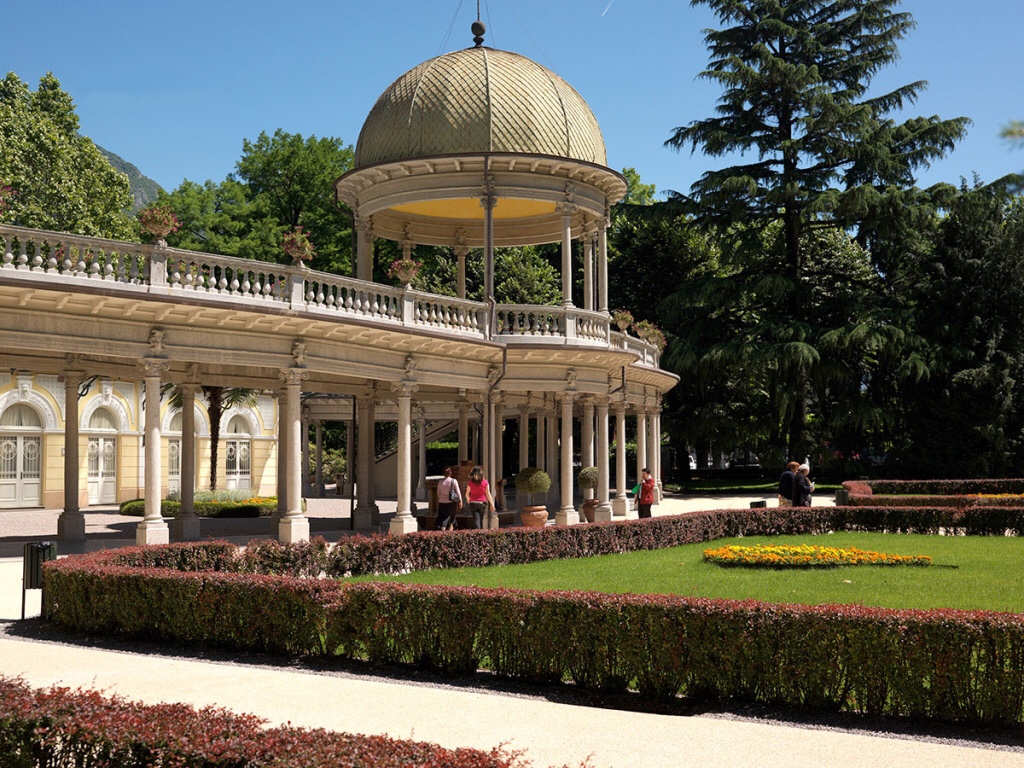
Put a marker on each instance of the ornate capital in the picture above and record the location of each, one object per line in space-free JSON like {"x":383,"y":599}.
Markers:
{"x":404,"y":388}
{"x":566,"y":209}
{"x":293,"y":377}
{"x":151,"y":366}
{"x":569,"y":397}
{"x":71,"y":378}
{"x":410,"y":367}
{"x":489,"y":198}
{"x":188,"y":389}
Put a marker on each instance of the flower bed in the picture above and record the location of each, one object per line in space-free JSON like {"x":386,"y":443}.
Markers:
{"x":58,"y":726}
{"x":806,"y":556}
{"x":965,"y":666}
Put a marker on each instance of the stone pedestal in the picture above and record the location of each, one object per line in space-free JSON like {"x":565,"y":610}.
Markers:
{"x":402,"y":525}
{"x":186,"y":528}
{"x":152,"y":532}
{"x":293,"y":529}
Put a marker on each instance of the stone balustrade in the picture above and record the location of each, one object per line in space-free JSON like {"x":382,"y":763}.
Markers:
{"x":68,"y":259}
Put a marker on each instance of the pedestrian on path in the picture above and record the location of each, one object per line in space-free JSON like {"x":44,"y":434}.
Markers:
{"x":449,"y":501}
{"x":478,"y":491}
{"x":645,"y":499}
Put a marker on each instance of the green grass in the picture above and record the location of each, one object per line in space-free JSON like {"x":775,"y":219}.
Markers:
{"x":989,"y":574}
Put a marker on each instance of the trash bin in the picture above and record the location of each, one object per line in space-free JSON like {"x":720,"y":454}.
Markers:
{"x":37,"y":553}
{"x":758,"y":504}
{"x":842,"y":497}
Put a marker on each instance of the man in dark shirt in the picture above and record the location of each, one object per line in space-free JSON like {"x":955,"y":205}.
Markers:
{"x":786,"y":484}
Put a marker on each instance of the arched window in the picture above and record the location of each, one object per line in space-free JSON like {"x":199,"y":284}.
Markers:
{"x":20,"y":416}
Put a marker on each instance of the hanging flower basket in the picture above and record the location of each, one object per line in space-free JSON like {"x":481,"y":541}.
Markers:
{"x":298,"y":246}
{"x":158,"y":221}
{"x":404,"y":270}
{"x":622,"y":318}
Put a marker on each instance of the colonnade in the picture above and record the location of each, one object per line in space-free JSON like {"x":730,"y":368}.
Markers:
{"x":553,"y":423}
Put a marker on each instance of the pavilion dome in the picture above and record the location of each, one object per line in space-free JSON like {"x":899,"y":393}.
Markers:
{"x":479,"y":100}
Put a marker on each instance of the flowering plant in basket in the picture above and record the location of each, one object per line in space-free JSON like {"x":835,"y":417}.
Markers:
{"x":158,"y":220}
{"x":298,"y":245}
{"x":650,"y":333}
{"x":622,"y":318}
{"x":404,"y":270}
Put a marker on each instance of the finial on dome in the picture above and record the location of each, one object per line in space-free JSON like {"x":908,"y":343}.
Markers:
{"x":478,"y":30}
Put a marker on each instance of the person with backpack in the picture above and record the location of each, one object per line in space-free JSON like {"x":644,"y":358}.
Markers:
{"x":449,"y":501}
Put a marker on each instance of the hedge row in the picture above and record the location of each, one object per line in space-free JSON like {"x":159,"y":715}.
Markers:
{"x":222,"y":509}
{"x":952,"y":665}
{"x":936,"y":487}
{"x":58,"y":727}
{"x":960,"y":666}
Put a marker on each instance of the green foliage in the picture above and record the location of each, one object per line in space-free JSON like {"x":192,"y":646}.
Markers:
{"x":587,"y":478}
{"x":61,"y":179}
{"x":281,"y":182}
{"x":532,"y":480}
{"x":796,"y":80}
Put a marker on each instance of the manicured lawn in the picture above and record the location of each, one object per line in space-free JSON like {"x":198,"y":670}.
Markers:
{"x":989,"y":574}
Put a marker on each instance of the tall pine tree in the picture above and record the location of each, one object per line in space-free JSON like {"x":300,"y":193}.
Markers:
{"x":796,"y":77}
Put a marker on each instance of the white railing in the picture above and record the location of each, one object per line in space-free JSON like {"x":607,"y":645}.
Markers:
{"x":66,"y":258}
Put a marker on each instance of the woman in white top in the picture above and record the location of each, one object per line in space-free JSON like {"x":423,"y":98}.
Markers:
{"x":449,"y":501}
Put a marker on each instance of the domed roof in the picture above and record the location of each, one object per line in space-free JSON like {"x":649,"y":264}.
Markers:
{"x":479,"y":100}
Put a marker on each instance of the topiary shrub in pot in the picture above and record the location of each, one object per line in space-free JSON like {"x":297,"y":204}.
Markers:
{"x":587,"y":481}
{"x":530,"y":481}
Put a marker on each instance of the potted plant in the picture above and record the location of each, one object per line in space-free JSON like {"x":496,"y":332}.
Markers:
{"x":404,"y":270}
{"x":587,"y":480}
{"x":159,"y":221}
{"x":298,"y":246}
{"x":650,"y":333}
{"x":530,"y":481}
{"x":622,"y":318}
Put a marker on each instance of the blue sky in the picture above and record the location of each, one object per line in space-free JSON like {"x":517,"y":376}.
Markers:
{"x":175,"y":87}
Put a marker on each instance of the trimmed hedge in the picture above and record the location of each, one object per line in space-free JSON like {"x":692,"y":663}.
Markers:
{"x":936,"y":487}
{"x":222,"y":509}
{"x":58,"y":726}
{"x":965,"y":666}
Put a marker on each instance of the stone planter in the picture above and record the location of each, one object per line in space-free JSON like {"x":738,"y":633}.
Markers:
{"x":589,"y":506}
{"x":533,"y":517}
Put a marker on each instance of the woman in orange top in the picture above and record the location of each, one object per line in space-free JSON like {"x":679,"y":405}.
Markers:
{"x":478,"y":492}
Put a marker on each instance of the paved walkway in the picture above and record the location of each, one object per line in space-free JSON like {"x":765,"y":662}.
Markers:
{"x":551,"y":733}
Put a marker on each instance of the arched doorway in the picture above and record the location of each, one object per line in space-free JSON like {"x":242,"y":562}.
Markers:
{"x":238,"y":452}
{"x":21,"y":449}
{"x":103,"y":457}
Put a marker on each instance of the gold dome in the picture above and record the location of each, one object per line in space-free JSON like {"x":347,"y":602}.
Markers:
{"x":479,"y":100}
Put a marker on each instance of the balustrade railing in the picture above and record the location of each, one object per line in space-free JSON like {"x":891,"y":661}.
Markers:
{"x":171,"y":270}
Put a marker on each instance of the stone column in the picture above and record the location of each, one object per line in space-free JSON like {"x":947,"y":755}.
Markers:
{"x":602,"y":264}
{"x":404,"y":522}
{"x":463,"y":431}
{"x":318,"y":469}
{"x":364,"y":248}
{"x":641,"y":443}
{"x":551,"y":459}
{"x":293,"y":526}
{"x":186,"y":525}
{"x":567,"y":210}
{"x":588,"y":271}
{"x":152,"y":529}
{"x":603,"y":513}
{"x":421,"y":475}
{"x":461,"y":251}
{"x":524,"y":440}
{"x":499,"y":440}
{"x":350,"y":470}
{"x":654,"y":451}
{"x":304,"y":441}
{"x":620,"y":505}
{"x":567,"y":515}
{"x":587,"y":439}
{"x":282,"y":461}
{"x":365,"y":513}
{"x":488,"y":430}
{"x":71,"y":523}
{"x":541,"y":443}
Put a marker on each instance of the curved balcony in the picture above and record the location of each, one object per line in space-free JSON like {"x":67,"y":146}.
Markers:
{"x":81,"y":263}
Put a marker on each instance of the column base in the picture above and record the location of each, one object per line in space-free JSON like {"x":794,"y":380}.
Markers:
{"x":152,"y":532}
{"x":620,"y":506}
{"x":567,"y":516}
{"x":186,"y":528}
{"x":402,"y":525}
{"x":365,"y":519}
{"x":293,"y":529}
{"x":71,"y":526}
{"x":603,"y":513}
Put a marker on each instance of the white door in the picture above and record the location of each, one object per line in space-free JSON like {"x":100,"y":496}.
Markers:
{"x":239,"y":471}
{"x":174,"y":465}
{"x":102,"y":470}
{"x":20,"y":471}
